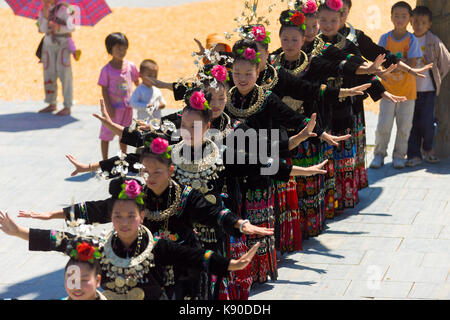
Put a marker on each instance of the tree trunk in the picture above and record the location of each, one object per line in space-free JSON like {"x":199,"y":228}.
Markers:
{"x":441,"y":27}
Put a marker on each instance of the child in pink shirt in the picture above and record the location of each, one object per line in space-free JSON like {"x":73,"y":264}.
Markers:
{"x":116,"y":80}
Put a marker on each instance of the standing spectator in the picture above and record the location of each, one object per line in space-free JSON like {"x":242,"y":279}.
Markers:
{"x":406,"y":47}
{"x":116,"y":80}
{"x":56,"y":21}
{"x":434,"y":51}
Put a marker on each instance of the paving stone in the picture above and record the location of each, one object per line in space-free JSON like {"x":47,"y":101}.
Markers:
{"x":416,"y":274}
{"x":380,"y":289}
{"x":433,"y":291}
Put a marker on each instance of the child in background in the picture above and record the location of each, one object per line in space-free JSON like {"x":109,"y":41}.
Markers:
{"x":56,"y":21}
{"x":406,"y":47}
{"x":434,"y":51}
{"x":147,"y":99}
{"x":116,"y":80}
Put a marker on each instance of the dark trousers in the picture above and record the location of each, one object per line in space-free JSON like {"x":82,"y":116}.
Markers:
{"x":422,"y":132}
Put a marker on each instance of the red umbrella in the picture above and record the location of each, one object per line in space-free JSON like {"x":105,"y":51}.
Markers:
{"x":90,"y":11}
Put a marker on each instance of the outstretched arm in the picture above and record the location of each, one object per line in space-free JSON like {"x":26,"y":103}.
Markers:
{"x":11,"y":228}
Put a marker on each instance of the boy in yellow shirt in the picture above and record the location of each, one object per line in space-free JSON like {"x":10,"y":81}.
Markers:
{"x":406,"y":47}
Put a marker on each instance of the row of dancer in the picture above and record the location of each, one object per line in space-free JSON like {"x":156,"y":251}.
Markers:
{"x":195,"y":191}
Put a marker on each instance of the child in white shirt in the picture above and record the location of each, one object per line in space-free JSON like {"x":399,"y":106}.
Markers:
{"x":147,"y":99}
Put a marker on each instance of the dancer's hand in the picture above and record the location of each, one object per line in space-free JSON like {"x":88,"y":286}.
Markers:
{"x":79,"y":167}
{"x":420,"y":72}
{"x":317,"y":169}
{"x":334,"y":140}
{"x":105,"y":117}
{"x":305,"y":134}
{"x":244,"y":260}
{"x":355,"y":91}
{"x":249,"y":228}
{"x":393,"y":98}
{"x":8,"y":226}
{"x":34,"y":215}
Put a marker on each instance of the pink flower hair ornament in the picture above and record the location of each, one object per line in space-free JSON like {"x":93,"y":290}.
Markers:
{"x":220,"y":73}
{"x":198,"y":101}
{"x":260,"y":34}
{"x":250,"y":54}
{"x":309,"y":7}
{"x":159,"y":146}
{"x":335,"y":5}
{"x":132,"y":190}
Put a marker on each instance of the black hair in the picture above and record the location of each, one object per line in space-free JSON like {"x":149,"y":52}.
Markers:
{"x":423,"y":11}
{"x":145,"y":63}
{"x":284,"y":25}
{"x":115,"y":187}
{"x":206,"y":114}
{"x":95,"y":266}
{"x":115,"y":38}
{"x":402,"y":4}
{"x":241,"y":44}
{"x":348,"y":2}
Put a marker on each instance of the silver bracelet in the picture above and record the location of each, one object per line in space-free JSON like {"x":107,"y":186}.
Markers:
{"x":242,"y":225}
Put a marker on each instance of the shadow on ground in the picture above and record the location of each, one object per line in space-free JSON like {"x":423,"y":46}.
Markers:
{"x":46,"y":287}
{"x":28,"y":121}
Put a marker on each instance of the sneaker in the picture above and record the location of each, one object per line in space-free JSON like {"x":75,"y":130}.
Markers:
{"x":377,"y":162}
{"x":413,"y":162}
{"x":399,"y":163}
{"x":431,"y":158}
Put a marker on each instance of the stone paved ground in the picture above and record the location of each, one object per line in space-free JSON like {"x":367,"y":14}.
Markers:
{"x":393,"y":245}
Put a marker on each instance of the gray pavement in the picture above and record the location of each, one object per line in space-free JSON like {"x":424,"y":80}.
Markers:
{"x":393,"y":245}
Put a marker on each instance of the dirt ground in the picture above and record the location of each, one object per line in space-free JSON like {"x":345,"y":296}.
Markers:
{"x":163,"y":34}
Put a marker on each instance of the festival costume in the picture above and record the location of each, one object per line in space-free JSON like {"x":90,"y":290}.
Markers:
{"x":136,"y":273}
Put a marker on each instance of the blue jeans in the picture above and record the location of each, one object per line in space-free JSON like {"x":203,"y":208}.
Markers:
{"x":423,"y":125}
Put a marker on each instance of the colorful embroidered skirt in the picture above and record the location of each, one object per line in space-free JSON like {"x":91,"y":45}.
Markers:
{"x":259,"y":211}
{"x":360,"y":159}
{"x":330,"y":202}
{"x":237,"y":285}
{"x":310,"y":190}
{"x":346,"y":184}
{"x":289,"y":235}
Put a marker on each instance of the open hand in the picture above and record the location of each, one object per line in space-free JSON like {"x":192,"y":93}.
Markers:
{"x":34,"y":215}
{"x":393,"y":98}
{"x":355,"y":91}
{"x":420,"y":72}
{"x":105,"y":117}
{"x":7,"y":225}
{"x":334,"y":140}
{"x":249,"y":228}
{"x":244,"y":260}
{"x":79,"y":167}
{"x":317,"y":169}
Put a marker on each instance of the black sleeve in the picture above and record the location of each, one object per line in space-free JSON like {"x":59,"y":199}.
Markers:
{"x":376,"y":89}
{"x":370,"y":50}
{"x":134,"y":138}
{"x":284,"y":116}
{"x":203,"y":212}
{"x":47,"y":240}
{"x":333,"y":65}
{"x":291,"y":86}
{"x":109,"y":164}
{"x":170,"y":253}
{"x":91,"y":211}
